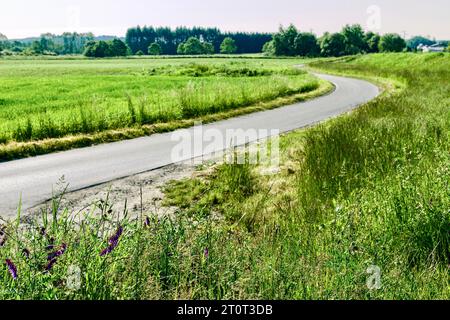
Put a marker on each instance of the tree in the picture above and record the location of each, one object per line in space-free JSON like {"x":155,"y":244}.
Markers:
{"x":372,"y":41}
{"x":140,"y":53}
{"x":36,"y":47}
{"x":89,"y":49}
{"x":117,"y":48}
{"x":98,"y":49}
{"x":46,"y":42}
{"x":269,"y":48}
{"x":154,"y":49}
{"x":306,"y":45}
{"x":392,"y":42}
{"x":333,"y":45}
{"x":140,"y":38}
{"x":284,"y":41}
{"x":208,"y":48}
{"x":3,"y":41}
{"x":193,"y":46}
{"x":228,"y":46}
{"x":353,"y":39}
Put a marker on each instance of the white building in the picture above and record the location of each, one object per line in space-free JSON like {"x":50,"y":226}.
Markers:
{"x":437,"y":47}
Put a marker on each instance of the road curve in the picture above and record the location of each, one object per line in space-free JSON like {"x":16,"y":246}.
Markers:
{"x":33,"y":179}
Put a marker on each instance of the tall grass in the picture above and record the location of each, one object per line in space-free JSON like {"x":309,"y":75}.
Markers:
{"x":54,"y":99}
{"x":368,"y":188}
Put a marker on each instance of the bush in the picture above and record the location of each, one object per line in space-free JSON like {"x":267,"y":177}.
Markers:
{"x":102,"y":49}
{"x":193,"y":46}
{"x":228,"y":46}
{"x":392,"y":43}
{"x":154,"y":49}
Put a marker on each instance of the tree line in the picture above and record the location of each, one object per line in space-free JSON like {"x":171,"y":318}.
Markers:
{"x":50,"y":44}
{"x":194,"y":41}
{"x":350,"y":41}
{"x":168,"y":40}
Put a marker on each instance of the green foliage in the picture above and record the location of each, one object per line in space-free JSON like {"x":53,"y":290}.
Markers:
{"x":140,"y":38}
{"x":193,"y":46}
{"x":392,"y":43}
{"x":354,"y":39}
{"x":269,"y":48}
{"x":306,"y":45}
{"x":154,"y":49}
{"x":332,"y":45}
{"x":372,"y":41}
{"x":102,"y":49}
{"x":208,"y":48}
{"x":284,"y":41}
{"x":118,"y":48}
{"x":228,"y":46}
{"x":229,"y":183}
{"x":351,"y":41}
{"x":37,"y":48}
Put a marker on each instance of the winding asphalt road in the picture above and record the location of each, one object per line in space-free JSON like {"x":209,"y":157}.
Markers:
{"x":34,"y":179}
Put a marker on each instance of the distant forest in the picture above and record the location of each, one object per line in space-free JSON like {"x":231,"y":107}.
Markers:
{"x":198,"y":40}
{"x":140,"y":38}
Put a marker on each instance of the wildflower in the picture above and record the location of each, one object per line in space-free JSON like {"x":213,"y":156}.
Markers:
{"x":147,"y":222}
{"x":116,"y":236}
{"x":50,"y":265}
{"x":206,"y":253}
{"x":58,"y":253}
{"x":113,"y":242}
{"x":11,"y":268}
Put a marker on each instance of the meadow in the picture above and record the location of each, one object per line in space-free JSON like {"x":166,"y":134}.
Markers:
{"x":59,"y":98}
{"x":370,"y":188}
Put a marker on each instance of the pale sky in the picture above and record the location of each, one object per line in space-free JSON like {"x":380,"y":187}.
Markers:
{"x":20,"y":18}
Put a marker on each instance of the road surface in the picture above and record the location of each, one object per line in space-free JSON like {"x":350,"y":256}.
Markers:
{"x":34,"y":179}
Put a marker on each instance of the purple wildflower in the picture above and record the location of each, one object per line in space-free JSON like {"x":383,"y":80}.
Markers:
{"x":147,"y":222}
{"x":113,"y":242}
{"x":50,"y":265}
{"x":116,"y":236}
{"x":206,"y":253}
{"x":12,"y":268}
{"x":58,"y":253}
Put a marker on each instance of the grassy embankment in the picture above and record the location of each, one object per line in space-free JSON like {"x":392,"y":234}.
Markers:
{"x":49,"y":105}
{"x":368,"y":188}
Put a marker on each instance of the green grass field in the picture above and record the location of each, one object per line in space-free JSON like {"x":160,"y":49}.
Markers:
{"x":370,"y":188}
{"x":42,"y":99}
